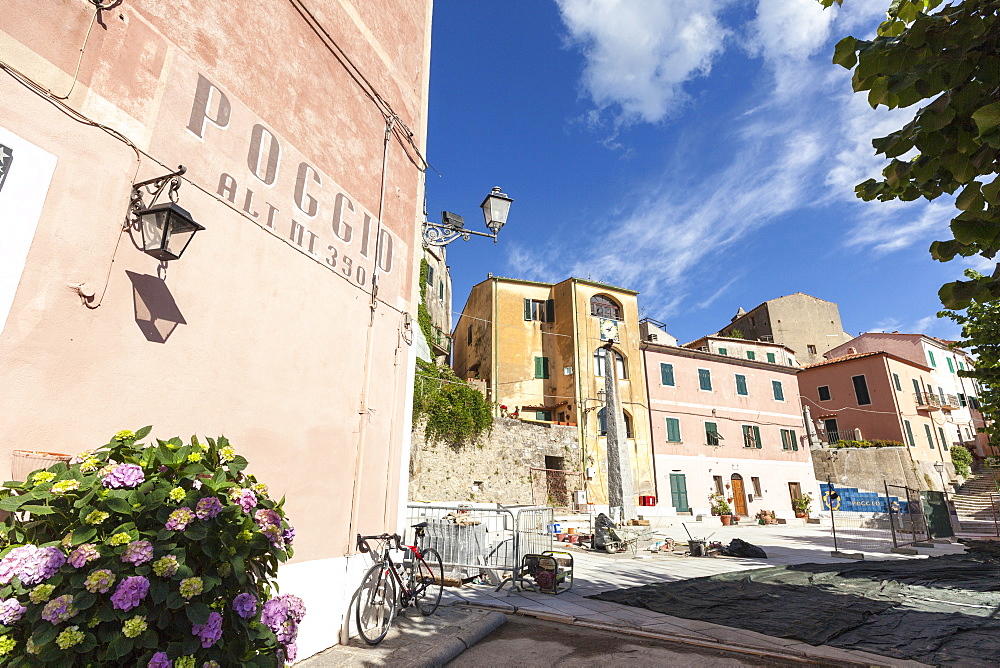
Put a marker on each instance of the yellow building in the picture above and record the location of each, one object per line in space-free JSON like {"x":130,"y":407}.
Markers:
{"x":538,"y":347}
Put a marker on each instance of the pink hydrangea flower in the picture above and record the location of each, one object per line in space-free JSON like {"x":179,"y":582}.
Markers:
{"x":31,"y":564}
{"x":11,"y":611}
{"x":208,"y":508}
{"x":124,"y":476}
{"x":83,"y":555}
{"x":246,"y":499}
{"x":138,"y":552}
{"x":179,"y":519}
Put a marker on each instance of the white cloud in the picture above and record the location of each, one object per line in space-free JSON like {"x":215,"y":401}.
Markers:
{"x":890,"y":226}
{"x":639,"y":53}
{"x":790,"y":29}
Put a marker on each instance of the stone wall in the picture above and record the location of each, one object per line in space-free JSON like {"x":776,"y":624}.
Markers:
{"x":497,"y":468}
{"x":871,"y":468}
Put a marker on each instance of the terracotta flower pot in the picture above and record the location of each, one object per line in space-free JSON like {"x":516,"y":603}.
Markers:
{"x":726,"y":520}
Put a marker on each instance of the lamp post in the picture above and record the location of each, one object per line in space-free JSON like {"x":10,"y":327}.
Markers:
{"x":495,"y":208}
{"x":939,"y":467}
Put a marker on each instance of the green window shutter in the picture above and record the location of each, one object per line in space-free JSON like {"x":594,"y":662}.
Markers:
{"x":909,"y":434}
{"x":930,"y":439}
{"x":545,"y":367}
{"x":794,"y":439}
{"x":673,"y":430}
{"x":961,"y":400}
{"x":784,"y":439}
{"x":440,"y":290}
{"x":916,"y":386}
{"x":430,"y":275}
{"x":705,"y":379}
{"x":895,"y":381}
{"x":951,"y":365}
{"x":944,"y":441}
{"x":527,"y":309}
{"x":723,"y":351}
{"x":756,"y":434}
{"x":711,"y":427}
{"x":666,"y":374}
{"x":930,"y":354}
{"x":550,"y":310}
{"x":747,"y":436}
{"x":541,"y":367}
{"x":751,"y":355}
{"x":741,"y":385}
{"x":770,"y":358}
{"x":961,"y":365}
{"x":779,"y":391}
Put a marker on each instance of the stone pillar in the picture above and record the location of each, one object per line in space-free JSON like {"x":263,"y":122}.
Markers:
{"x":621,"y":499}
{"x":811,"y":435}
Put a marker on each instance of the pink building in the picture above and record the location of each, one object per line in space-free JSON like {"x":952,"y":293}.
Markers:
{"x":287,"y":323}
{"x":726,"y":424}
{"x":954,"y":398}
{"x":865,"y":396}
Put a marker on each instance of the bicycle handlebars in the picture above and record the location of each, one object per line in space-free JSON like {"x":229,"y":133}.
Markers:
{"x":391,"y":538}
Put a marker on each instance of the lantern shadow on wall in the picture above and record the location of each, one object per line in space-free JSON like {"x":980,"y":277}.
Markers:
{"x":156,"y":312}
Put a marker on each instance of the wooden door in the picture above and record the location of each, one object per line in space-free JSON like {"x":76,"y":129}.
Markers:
{"x":739,"y":497}
{"x":795,"y":491}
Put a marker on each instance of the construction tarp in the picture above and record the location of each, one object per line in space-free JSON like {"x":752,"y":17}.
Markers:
{"x":941,"y":610}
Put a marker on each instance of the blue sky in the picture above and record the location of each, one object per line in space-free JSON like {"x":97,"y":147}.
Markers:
{"x":702,"y":152}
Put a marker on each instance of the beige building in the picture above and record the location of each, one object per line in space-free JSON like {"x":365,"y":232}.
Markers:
{"x":287,"y":324}
{"x":436,"y":289}
{"x":538,"y":348}
{"x":809,"y":326}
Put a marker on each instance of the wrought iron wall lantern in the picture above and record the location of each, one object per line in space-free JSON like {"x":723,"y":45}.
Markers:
{"x":166,"y":228}
{"x":495,"y":208}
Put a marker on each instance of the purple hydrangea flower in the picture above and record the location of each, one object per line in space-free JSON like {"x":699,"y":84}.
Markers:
{"x":208,"y":508}
{"x":11,"y":611}
{"x":130,"y":592}
{"x":160,"y":660}
{"x":124,"y":476}
{"x":210,"y":631}
{"x":288,"y":535}
{"x":59,"y":609}
{"x":247,"y":500}
{"x":291,"y":651}
{"x":179,"y":519}
{"x":83,"y":555}
{"x":245,"y":605}
{"x":138,"y":552}
{"x":32,"y":564}
{"x":269,"y":523}
{"x":282,"y":615}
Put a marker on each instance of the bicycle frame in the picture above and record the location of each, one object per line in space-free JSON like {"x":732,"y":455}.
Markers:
{"x":407,"y":591}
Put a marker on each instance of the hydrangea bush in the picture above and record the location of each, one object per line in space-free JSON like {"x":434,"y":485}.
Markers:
{"x":161,"y":555}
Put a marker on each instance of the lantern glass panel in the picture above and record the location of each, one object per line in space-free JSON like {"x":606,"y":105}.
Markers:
{"x":153,"y":226}
{"x":495,"y":211}
{"x":180,"y":234}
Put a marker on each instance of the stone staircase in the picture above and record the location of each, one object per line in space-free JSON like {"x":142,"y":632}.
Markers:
{"x":972,"y":503}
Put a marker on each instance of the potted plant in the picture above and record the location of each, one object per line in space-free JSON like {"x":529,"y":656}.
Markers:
{"x":720,"y":507}
{"x":801,"y":505}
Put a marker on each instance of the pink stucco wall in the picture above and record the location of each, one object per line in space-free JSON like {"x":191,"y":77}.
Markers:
{"x":774,"y":465}
{"x":264,"y":331}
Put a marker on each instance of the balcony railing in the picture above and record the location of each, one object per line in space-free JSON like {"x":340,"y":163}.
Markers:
{"x":949,"y":402}
{"x":831,"y":437}
{"x":927,"y":401}
{"x":440,"y":340}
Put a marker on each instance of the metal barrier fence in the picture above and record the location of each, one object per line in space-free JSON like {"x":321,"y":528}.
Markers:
{"x":907,"y":514}
{"x":554,"y":487}
{"x":870,"y":521}
{"x":483,"y":542}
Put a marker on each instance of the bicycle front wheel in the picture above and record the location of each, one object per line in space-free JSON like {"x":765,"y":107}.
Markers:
{"x":376,"y":604}
{"x":428,"y":581}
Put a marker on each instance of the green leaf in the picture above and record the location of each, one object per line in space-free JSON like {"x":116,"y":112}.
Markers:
{"x":844,"y":53}
{"x":83,"y":534}
{"x":45,"y":633}
{"x":118,"y":505}
{"x":13,"y":503}
{"x":238,"y":464}
{"x":974,"y":231}
{"x":158,"y":590}
{"x":197,"y":613}
{"x":35,"y":509}
{"x":143,"y":433}
{"x":987,"y":117}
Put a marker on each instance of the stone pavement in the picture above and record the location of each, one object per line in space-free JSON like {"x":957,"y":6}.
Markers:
{"x":465,"y":612}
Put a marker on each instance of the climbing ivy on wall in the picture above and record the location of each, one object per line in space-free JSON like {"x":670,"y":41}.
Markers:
{"x":423,"y":315}
{"x":453,"y":411}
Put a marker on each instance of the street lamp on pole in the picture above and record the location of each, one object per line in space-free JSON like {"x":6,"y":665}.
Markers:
{"x":495,"y":208}
{"x":939,"y":467}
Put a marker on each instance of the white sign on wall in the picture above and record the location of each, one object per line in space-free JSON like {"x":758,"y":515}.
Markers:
{"x":25,"y":174}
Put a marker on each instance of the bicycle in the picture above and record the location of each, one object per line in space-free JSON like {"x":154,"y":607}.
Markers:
{"x":419,"y":579}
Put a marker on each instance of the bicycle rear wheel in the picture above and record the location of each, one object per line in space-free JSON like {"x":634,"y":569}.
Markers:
{"x":428,"y":581}
{"x":376,"y":604}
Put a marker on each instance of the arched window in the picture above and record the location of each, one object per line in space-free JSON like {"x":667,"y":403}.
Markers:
{"x":605,"y":307}
{"x":619,"y":364}
{"x":602,"y":423}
